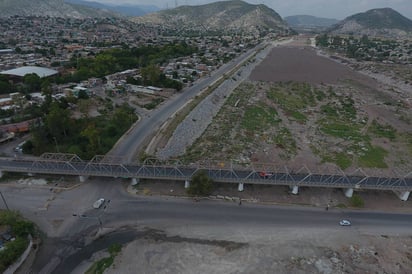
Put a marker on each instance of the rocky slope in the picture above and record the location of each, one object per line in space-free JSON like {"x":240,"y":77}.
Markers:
{"x":124,"y":9}
{"x":52,"y":8}
{"x":219,"y":16}
{"x":384,"y":22}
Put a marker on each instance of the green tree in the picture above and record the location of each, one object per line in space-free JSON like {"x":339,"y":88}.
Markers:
{"x":9,"y":217}
{"x":151,"y":74}
{"x":58,"y":121}
{"x":123,"y":117}
{"x":322,"y":40}
{"x":93,"y":136}
{"x":200,"y":185}
{"x":32,"y":82}
{"x":5,"y":86}
{"x":22,"y":228}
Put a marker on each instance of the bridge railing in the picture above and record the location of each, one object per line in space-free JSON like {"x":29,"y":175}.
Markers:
{"x":219,"y":171}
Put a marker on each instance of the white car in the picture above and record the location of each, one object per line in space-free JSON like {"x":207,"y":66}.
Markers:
{"x":98,"y":203}
{"x":345,"y":223}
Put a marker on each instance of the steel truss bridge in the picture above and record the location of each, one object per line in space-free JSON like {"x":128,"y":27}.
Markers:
{"x":220,"y":172}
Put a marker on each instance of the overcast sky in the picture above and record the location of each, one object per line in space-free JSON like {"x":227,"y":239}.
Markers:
{"x":338,"y":9}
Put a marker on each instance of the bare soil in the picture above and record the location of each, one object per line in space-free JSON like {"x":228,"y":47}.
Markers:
{"x":303,"y":64}
{"x":305,"y":143}
{"x":254,"y":249}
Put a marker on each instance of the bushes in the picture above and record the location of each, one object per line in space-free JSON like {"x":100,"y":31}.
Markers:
{"x":20,"y":228}
{"x":201,"y":184}
{"x":100,"y":266}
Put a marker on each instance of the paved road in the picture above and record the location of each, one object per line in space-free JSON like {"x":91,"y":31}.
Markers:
{"x":130,"y":143}
{"x":53,"y":212}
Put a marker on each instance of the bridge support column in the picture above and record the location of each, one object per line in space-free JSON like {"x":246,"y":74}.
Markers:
{"x":349,"y":192}
{"x":240,"y":188}
{"x":82,"y":178}
{"x":135,"y":181}
{"x":187,"y":184}
{"x":294,"y":190}
{"x":1,"y":173}
{"x":403,"y":195}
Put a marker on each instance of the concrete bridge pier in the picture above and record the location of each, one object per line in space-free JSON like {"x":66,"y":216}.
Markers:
{"x":135,"y":181}
{"x":1,"y":173}
{"x":349,"y":192}
{"x":187,"y":184}
{"x":83,"y":178}
{"x":240,"y":188}
{"x":294,"y":190}
{"x":403,"y":195}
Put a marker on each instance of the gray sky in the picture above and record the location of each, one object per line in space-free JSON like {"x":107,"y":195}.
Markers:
{"x":338,"y":9}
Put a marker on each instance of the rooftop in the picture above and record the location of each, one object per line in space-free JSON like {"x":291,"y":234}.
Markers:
{"x":22,"y":71}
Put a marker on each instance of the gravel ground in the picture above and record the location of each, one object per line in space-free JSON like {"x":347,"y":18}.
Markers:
{"x":261,"y":249}
{"x":198,"y":120}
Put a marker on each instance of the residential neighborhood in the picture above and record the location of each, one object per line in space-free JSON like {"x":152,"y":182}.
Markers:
{"x":74,"y":59}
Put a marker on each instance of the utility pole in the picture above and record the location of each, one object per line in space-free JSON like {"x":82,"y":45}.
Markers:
{"x":4,"y":201}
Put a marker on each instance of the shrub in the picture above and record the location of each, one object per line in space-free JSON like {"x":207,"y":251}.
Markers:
{"x":201,"y":184}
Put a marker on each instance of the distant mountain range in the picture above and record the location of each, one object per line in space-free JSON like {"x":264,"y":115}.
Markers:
{"x":308,"y":22}
{"x":384,"y":22}
{"x":52,"y":8}
{"x":125,"y":9}
{"x":225,"y":15}
{"x":235,"y":15}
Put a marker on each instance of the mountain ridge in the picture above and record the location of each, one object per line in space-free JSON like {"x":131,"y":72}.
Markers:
{"x":375,"y":22}
{"x":227,"y":15}
{"x":124,"y":9}
{"x":303,"y":20}
{"x":52,"y":8}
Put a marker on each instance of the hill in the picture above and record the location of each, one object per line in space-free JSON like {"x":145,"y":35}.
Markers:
{"x":52,"y":8}
{"x":384,"y":22}
{"x":309,"y":22}
{"x":127,"y":10}
{"x":219,"y":16}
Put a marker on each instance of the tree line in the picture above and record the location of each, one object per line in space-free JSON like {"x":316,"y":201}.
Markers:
{"x":147,"y":58}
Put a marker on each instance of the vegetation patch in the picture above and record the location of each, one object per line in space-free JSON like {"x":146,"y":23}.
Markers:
{"x":341,"y":129}
{"x":357,"y":201}
{"x":257,"y":118}
{"x":153,"y":104}
{"x":285,"y":140}
{"x":86,"y":136}
{"x":384,"y":131}
{"x":293,"y":98}
{"x":343,"y":160}
{"x":100,"y":266}
{"x":200,"y":184}
{"x":374,"y":156}
{"x":268,"y":121}
{"x":13,"y":224}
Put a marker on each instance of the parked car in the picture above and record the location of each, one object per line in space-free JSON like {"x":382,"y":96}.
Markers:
{"x":98,"y":203}
{"x":345,"y":223}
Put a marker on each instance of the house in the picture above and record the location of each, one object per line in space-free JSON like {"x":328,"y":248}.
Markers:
{"x":6,"y":102}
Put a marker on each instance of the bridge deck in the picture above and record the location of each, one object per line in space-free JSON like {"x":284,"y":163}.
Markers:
{"x":72,"y":165}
